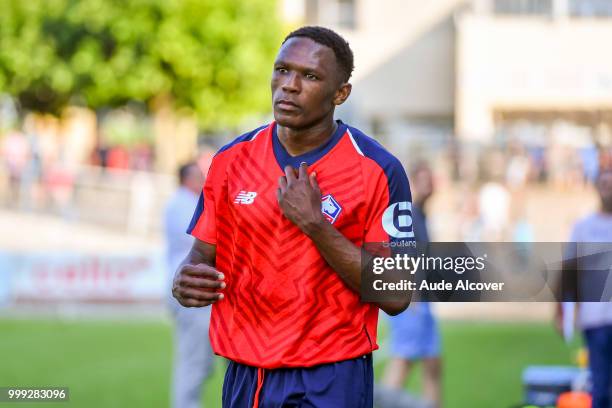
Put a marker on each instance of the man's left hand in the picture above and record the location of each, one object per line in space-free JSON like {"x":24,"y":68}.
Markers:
{"x":299,"y":197}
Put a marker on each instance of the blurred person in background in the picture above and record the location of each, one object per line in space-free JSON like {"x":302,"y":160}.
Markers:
{"x":494,"y":207}
{"x":15,"y":154}
{"x":193,"y":356}
{"x":469,"y":224}
{"x":595,"y":318}
{"x":30,"y":196}
{"x":518,"y":168}
{"x":414,"y":333}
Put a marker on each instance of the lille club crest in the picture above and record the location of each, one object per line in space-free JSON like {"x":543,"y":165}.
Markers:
{"x":330,"y":208}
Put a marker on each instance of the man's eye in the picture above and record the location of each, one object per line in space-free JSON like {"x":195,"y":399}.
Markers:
{"x":312,"y":77}
{"x":281,"y":70}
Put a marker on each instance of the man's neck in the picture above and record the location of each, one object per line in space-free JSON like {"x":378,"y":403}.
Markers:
{"x":300,"y":141}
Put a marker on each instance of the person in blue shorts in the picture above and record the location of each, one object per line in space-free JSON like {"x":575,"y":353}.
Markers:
{"x":414,"y":333}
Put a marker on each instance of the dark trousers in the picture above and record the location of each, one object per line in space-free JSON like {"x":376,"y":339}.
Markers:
{"x":599,"y":343}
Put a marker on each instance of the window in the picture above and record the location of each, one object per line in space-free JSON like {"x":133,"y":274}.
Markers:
{"x":337,"y":13}
{"x":523,"y":7}
{"x":590,"y":8}
{"x":346,"y":13}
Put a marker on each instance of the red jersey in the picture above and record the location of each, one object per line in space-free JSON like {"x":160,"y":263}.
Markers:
{"x":284,"y":306}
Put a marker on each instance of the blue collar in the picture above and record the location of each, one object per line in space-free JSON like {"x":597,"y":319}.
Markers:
{"x":283,"y":158}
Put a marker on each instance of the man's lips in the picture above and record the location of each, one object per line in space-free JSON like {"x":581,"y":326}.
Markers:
{"x":286,"y":105}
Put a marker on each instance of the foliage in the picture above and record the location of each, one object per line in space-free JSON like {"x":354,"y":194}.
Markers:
{"x":213,"y":57}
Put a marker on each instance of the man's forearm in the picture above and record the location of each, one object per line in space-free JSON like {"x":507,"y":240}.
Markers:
{"x":299,"y":197}
{"x":345,"y":258}
{"x":341,"y":254}
{"x":200,"y":253}
{"x":196,"y":282}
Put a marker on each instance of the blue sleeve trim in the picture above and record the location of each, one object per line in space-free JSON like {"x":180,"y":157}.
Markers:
{"x":247,"y":137}
{"x":196,"y":215}
{"x":397,"y":220}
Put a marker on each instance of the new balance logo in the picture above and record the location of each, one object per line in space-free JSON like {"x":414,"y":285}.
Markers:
{"x":245,"y":197}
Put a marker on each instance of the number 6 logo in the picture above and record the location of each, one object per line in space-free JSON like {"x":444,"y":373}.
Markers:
{"x":397,"y":220}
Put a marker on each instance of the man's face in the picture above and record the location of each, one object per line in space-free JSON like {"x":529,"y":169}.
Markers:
{"x":306,"y":83}
{"x":604,"y":188}
{"x":194,"y":180}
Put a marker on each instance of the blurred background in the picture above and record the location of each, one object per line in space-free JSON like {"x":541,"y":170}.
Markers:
{"x":509,"y":101}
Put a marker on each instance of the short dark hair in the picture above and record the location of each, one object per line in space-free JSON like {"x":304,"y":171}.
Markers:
{"x":184,"y":171}
{"x":331,"y":39}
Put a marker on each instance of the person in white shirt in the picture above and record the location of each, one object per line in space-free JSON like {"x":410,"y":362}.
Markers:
{"x":193,"y":356}
{"x":595,"y":318}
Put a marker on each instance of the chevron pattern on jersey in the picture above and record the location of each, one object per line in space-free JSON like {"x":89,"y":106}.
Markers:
{"x":284,"y":305}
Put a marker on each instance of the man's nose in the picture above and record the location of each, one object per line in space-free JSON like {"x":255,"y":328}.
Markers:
{"x":292,"y":83}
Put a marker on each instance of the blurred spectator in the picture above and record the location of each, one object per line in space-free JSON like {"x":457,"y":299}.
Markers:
{"x":595,"y":318}
{"x":469,"y":224}
{"x":59,"y":183}
{"x":537,"y":158}
{"x":118,"y":158}
{"x":414,"y":333}
{"x":494,"y":206}
{"x":138,"y":157}
{"x":522,"y":229}
{"x":193,"y":356}
{"x":590,"y":162}
{"x":605,"y":158}
{"x":15,"y":152}
{"x":517,"y":172}
{"x":30,"y":190}
{"x":141,"y":157}
{"x":99,"y":155}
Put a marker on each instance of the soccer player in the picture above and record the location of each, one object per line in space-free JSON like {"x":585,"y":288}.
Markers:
{"x":279,"y":227}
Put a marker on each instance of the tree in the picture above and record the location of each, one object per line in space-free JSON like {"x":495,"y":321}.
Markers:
{"x":213,"y":57}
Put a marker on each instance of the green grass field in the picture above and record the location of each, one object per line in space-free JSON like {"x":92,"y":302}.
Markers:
{"x":127,"y":364}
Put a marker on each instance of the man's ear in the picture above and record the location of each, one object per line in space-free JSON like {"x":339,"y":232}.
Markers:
{"x":342,"y":93}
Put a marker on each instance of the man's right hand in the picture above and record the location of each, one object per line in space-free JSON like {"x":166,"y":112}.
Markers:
{"x":197,"y":285}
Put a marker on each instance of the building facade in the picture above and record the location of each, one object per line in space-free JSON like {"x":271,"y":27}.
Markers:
{"x":475,"y":70}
